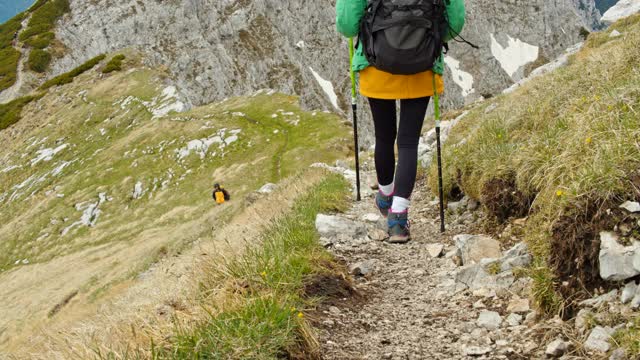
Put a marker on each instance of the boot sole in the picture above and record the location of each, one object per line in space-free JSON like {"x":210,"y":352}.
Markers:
{"x":398,"y":239}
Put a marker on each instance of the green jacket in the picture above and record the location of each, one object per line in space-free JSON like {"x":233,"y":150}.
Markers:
{"x":350,"y":12}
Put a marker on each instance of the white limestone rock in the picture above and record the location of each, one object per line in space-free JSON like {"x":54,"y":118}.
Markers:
{"x":622,"y":9}
{"x":598,"y":339}
{"x":474,"y":248}
{"x":489,"y":320}
{"x":617,"y":261}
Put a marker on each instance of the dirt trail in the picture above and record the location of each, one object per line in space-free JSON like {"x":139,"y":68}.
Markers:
{"x":152,"y":299}
{"x":14,"y":91}
{"x":411,"y":308}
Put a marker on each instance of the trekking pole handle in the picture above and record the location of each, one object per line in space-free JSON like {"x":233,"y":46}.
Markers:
{"x":352,"y":73}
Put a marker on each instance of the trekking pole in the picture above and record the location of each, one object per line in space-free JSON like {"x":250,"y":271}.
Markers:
{"x":354,"y":109}
{"x":436,"y":98}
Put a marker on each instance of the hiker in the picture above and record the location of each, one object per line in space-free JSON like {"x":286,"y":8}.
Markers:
{"x":220,"y":195}
{"x":394,"y":76}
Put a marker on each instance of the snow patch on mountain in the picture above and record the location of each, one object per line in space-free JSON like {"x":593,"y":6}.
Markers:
{"x":546,"y":68}
{"x":462,"y":78}
{"x":515,"y":55}
{"x":327,"y":87}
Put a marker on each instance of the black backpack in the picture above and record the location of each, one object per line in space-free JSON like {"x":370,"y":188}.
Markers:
{"x":404,"y":37}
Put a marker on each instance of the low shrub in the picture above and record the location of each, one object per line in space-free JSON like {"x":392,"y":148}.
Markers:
{"x":44,"y":15}
{"x":39,"y":60}
{"x":69,"y":76}
{"x":41,"y":41}
{"x":115,"y":64}
{"x":9,"y":58}
{"x":10,"y":113}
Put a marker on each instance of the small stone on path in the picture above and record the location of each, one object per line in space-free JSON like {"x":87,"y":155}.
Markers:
{"x":518,"y":305}
{"x":378,"y":235}
{"x":435,"y":250}
{"x":330,"y":226}
{"x":372,"y":218}
{"x":582,"y":318}
{"x":514,"y":319}
{"x":476,"y":350}
{"x":614,"y":33}
{"x":557,"y":348}
{"x":631,"y":206}
{"x":618,"y":354}
{"x":598,"y":340}
{"x":363,"y":268}
{"x":490,"y":320}
{"x":474,"y":248}
{"x":629,"y":292}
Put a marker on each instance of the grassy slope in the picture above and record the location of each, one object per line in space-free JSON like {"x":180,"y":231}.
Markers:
{"x":136,"y":148}
{"x":266,"y":319}
{"x":9,"y":56}
{"x":567,"y":143}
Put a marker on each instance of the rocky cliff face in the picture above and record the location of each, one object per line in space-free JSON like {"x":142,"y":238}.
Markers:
{"x":514,"y":38}
{"x":220,"y":48}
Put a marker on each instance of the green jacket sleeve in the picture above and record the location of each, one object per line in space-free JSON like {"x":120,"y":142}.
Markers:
{"x":456,"y":14}
{"x":348,"y":16}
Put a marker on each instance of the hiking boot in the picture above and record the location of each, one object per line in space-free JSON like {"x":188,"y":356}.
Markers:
{"x":383,"y":203}
{"x":398,"y":228}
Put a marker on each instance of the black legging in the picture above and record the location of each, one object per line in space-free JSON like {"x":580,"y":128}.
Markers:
{"x":412,"y":112}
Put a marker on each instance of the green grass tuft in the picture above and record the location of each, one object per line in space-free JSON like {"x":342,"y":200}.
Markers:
{"x":629,"y":338}
{"x":115,"y":64}
{"x":267,"y":319}
{"x":40,"y":41}
{"x":544,"y":288}
{"x":9,"y":58}
{"x":68,"y":77}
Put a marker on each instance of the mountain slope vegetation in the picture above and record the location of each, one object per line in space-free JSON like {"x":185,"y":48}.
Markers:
{"x":109,"y":174}
{"x":562,"y":150}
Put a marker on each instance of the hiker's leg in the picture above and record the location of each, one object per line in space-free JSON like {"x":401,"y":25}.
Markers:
{"x":384,"y":119}
{"x":412,"y":114}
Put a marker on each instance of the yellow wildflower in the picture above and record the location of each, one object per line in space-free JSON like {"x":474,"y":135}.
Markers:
{"x":264,"y":274}
{"x":300,"y":315}
{"x":559,"y":193}
{"x":588,"y":140}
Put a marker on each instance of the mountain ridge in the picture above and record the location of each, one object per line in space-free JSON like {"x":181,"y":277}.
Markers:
{"x":215,"y":50}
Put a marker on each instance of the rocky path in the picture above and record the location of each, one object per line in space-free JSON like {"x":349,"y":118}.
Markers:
{"x":416,"y":303}
{"x":14,"y":91}
{"x":462,"y":294}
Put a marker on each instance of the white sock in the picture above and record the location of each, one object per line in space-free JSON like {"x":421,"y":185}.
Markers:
{"x":400,"y":205}
{"x":386,"y":189}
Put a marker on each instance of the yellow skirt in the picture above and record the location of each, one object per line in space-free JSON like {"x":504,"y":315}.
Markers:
{"x":378,"y":84}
